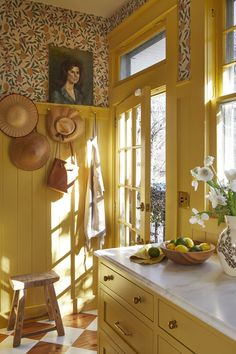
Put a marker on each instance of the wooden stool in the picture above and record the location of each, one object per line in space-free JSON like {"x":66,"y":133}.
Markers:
{"x":20,"y":284}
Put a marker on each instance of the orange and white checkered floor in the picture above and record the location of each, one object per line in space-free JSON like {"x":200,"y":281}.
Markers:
{"x":80,"y":337}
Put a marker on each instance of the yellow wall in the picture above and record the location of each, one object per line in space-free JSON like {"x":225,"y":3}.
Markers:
{"x":37,"y":225}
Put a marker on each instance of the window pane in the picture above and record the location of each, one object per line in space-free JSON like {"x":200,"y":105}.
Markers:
{"x":122,"y":131}
{"x":129,"y":129}
{"x":122,"y":167}
{"x":122,"y":235}
{"x":158,"y":167}
{"x":229,"y":79}
{"x":230,"y":49}
{"x":138,"y":211}
{"x":129,"y":206}
{"x":138,"y":125}
{"x":138,"y":167}
{"x":230,"y":13}
{"x":128,"y":167}
{"x":151,"y":52}
{"x":226,"y":138}
{"x":122,"y":203}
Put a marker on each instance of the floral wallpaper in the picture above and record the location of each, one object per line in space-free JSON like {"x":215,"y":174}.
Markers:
{"x":28,"y":28}
{"x":124,"y":12}
{"x":184,"y":40}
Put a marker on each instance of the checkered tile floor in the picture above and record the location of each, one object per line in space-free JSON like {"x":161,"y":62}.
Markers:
{"x":80,"y":337}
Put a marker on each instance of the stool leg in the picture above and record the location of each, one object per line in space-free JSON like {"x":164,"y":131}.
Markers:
{"x":12,"y":316}
{"x":55,"y":309}
{"x":19,"y":318}
{"x":48,"y":303}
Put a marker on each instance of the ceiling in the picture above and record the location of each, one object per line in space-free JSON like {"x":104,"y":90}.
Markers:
{"x":104,"y":8}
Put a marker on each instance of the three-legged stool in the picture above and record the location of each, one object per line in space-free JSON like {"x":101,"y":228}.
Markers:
{"x":20,"y":284}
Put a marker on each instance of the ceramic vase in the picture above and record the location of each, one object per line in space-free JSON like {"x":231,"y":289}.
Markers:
{"x":226,"y":246}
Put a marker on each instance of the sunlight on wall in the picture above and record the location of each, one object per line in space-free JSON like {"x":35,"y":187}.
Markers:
{"x":5,"y":265}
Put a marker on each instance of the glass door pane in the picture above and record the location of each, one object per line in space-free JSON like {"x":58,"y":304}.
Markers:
{"x":158,"y":167}
{"x":133,"y":191}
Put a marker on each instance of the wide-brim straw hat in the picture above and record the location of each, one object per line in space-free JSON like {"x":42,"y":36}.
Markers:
{"x":30,"y":152}
{"x":18,"y":115}
{"x":64,"y":124}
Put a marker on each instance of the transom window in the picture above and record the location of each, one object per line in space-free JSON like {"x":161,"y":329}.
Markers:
{"x":145,"y":55}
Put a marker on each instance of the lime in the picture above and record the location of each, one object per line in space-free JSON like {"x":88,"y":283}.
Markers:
{"x":154,"y":252}
{"x":172,"y":241}
{"x":181,"y":248}
{"x":188,"y":242}
{"x":180,"y":241}
{"x":205,"y":246}
{"x":195,"y":249}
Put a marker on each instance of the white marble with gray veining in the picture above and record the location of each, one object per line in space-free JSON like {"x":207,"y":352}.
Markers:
{"x":202,"y":290}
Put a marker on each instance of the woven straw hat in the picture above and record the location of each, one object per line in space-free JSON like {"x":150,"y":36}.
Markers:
{"x":64,"y":124}
{"x":30,"y":152}
{"x":18,"y":115}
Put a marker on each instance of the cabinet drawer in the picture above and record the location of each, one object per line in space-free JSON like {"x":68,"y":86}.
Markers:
{"x":135,"y":296}
{"x":191,"y":333}
{"x":106,"y":345}
{"x":116,"y":319}
{"x":178,"y":325}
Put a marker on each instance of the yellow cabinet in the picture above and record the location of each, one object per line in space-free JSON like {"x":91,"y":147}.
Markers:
{"x":140,"y":321}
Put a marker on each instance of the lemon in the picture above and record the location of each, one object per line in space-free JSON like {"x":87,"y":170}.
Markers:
{"x":205,"y":246}
{"x":188,"y":242}
{"x":154,"y":252}
{"x":181,"y":248}
{"x":170,"y":246}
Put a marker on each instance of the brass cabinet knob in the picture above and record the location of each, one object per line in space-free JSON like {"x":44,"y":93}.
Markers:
{"x":137,"y":299}
{"x":108,"y":277}
{"x":172,"y":324}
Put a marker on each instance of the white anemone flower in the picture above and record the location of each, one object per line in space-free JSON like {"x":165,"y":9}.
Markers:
{"x":194,"y":172}
{"x":195,"y":184}
{"x":232,"y":185}
{"x":209,"y":161}
{"x":231,"y":174}
{"x":205,"y":174}
{"x":216,"y":198}
{"x":198,"y":218}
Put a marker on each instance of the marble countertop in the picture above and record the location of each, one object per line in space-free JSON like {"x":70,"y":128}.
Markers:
{"x":202,"y":290}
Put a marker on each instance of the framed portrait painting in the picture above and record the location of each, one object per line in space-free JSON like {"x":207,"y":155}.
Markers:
{"x":70,"y":76}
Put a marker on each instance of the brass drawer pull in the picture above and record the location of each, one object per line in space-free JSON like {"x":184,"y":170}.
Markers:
{"x":137,"y":299}
{"x":122,"y":330}
{"x":108,"y":277}
{"x":172,"y":324}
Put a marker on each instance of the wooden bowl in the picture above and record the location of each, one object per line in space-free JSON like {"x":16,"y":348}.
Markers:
{"x":188,"y":258}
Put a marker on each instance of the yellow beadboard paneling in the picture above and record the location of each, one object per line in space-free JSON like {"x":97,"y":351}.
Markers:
{"x":38,"y":225}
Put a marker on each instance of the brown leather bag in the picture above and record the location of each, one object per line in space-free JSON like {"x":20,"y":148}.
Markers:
{"x":63,"y":174}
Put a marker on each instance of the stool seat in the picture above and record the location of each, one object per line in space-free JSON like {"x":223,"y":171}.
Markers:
{"x":20,"y":284}
{"x":33,"y":280}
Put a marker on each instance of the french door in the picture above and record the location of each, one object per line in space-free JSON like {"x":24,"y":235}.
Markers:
{"x":141,"y":168}
{"x":133,"y":169}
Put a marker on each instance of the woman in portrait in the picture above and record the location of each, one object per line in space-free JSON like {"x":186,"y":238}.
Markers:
{"x":68,"y":91}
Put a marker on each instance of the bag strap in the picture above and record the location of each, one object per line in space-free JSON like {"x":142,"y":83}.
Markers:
{"x":73,"y":157}
{"x":58,"y":150}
